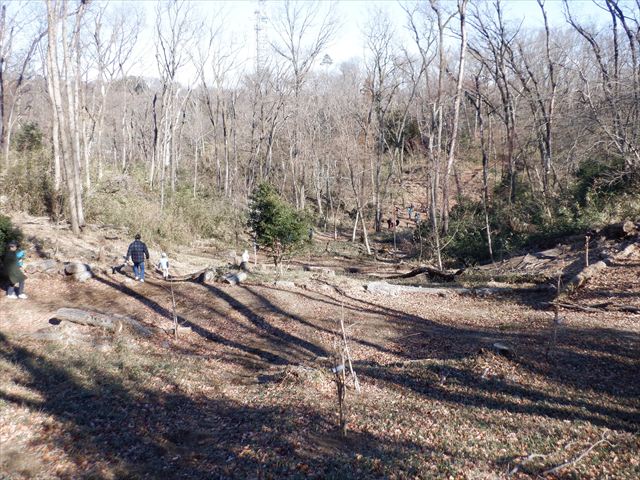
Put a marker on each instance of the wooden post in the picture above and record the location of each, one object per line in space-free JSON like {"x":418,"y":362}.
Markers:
{"x":586,"y":250}
{"x":175,"y":316}
{"x":255,"y":253}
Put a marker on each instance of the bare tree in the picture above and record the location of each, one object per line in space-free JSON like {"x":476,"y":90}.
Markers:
{"x":462,"y":6}
{"x":303,"y":31}
{"x":63,"y":106}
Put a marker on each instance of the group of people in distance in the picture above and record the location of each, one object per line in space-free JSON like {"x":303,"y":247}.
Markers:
{"x":14,"y":257}
{"x":394,"y":221}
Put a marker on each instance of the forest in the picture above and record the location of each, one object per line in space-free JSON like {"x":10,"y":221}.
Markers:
{"x":502,"y":133}
{"x":239,"y":242}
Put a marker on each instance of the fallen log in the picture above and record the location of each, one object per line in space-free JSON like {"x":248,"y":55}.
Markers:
{"x":590,"y":271}
{"x":112,"y":322}
{"x":629,"y":251}
{"x":598,"y":307}
{"x":581,"y":278}
{"x":574,"y":306}
{"x":201,"y":276}
{"x":235,"y":278}
{"x":431,"y":272}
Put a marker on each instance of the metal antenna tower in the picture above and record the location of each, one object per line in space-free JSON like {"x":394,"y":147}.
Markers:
{"x":261,"y":35}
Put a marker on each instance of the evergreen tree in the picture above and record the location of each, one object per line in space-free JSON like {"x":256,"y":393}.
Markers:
{"x":276,"y":226}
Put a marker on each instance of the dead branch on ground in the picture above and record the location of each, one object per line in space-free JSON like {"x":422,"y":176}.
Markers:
{"x":431,"y":272}
{"x":577,"y":459}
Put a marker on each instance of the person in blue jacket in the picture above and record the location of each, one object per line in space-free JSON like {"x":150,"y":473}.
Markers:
{"x":14,"y":273}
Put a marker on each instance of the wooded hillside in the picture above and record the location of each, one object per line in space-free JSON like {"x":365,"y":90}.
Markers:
{"x":500,"y":132}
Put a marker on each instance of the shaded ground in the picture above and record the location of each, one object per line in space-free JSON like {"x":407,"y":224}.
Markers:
{"x":248,"y":394}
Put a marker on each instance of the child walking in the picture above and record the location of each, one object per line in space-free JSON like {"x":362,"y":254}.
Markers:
{"x":163,"y":265}
{"x":14,"y":272}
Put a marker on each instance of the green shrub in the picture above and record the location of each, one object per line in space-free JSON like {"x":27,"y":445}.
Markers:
{"x":277,"y":227}
{"x":8,"y":233}
{"x":598,"y":180}
{"x":28,"y":138}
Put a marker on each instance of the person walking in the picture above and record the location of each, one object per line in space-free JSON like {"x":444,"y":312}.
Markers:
{"x":14,"y":273}
{"x":137,"y":252}
{"x":163,"y":265}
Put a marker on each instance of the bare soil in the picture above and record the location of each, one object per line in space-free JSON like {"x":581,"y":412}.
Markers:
{"x":248,"y":392}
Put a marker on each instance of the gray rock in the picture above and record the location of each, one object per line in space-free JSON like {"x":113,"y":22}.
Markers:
{"x":285,"y":284}
{"x":384,"y":288}
{"x":82,"y":276}
{"x":72,"y":268}
{"x":49,"y":265}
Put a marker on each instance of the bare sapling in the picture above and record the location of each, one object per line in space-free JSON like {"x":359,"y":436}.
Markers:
{"x":339,"y":372}
{"x":342,"y":359}
{"x":557,"y":319}
{"x":173,"y":309}
{"x":347,"y":353}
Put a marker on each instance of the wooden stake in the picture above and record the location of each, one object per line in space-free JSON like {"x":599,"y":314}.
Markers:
{"x":586,"y":250}
{"x":175,"y":316}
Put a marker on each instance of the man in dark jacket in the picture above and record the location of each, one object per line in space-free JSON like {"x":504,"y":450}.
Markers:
{"x":137,"y":253}
{"x":14,"y":273}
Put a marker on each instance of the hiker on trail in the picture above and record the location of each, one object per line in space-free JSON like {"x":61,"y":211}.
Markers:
{"x":163,"y":266}
{"x":417,"y":218}
{"x":410,"y":210}
{"x":14,"y":273}
{"x":137,"y":252}
{"x":389,"y":224}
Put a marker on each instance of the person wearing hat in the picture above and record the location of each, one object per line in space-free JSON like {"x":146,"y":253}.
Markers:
{"x":163,"y":265}
{"x":137,"y":252}
{"x":14,"y":272}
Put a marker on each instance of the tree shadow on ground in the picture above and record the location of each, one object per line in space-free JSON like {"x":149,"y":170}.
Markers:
{"x":264,"y":355}
{"x":603,"y":361}
{"x":463,"y":387}
{"x":112,"y":421}
{"x":276,"y":335}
